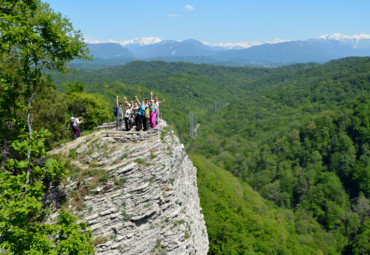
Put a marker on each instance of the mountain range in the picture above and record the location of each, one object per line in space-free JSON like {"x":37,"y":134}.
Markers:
{"x":275,"y":53}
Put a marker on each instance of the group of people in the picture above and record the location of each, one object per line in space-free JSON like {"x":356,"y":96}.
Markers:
{"x":141,"y":114}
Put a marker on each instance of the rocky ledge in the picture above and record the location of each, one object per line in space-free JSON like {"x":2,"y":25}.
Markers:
{"x":137,"y":191}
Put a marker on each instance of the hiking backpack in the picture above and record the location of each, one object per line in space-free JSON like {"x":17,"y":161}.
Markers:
{"x":71,"y":121}
{"x":115,"y":111}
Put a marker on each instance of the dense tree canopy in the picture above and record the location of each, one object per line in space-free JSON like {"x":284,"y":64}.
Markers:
{"x":33,"y":38}
{"x":299,"y":135}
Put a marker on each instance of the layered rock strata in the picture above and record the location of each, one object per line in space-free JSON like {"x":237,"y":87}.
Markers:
{"x":137,"y":191}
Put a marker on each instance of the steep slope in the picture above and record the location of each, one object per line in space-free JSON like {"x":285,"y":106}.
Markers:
{"x":137,"y":191}
{"x":240,"y":221}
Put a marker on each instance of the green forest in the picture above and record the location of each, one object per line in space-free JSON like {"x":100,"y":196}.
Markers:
{"x":297,"y":135}
{"x":283,"y":159}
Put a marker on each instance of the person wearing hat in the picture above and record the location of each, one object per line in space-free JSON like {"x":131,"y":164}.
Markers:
{"x":119,"y":116}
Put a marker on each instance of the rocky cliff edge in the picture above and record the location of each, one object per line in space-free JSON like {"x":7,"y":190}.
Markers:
{"x":137,"y":191}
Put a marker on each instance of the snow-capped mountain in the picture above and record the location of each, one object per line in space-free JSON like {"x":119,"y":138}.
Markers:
{"x":274,"y":53}
{"x":141,"y":41}
{"x":242,"y":45}
{"x":358,"y":41}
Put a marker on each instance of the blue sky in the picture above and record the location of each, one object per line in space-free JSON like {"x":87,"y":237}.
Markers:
{"x":215,"y":21}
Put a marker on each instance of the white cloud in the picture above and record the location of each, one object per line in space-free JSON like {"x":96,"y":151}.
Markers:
{"x":188,"y":7}
{"x":173,"y":15}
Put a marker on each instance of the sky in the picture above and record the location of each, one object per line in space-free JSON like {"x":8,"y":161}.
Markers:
{"x":215,"y":21}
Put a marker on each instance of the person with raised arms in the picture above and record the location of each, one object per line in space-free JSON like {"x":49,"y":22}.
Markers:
{"x":119,"y":115}
{"x":135,"y":113}
{"x":141,"y":114}
{"x":128,"y":117}
{"x":153,"y":114}
{"x":156,"y":102}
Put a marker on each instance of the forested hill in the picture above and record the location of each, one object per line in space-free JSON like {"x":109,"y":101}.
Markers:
{"x":298,"y":135}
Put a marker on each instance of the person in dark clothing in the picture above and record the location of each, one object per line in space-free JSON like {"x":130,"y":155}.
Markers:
{"x":135,"y":114}
{"x":119,"y":115}
{"x":141,"y":114}
{"x":146,"y":118}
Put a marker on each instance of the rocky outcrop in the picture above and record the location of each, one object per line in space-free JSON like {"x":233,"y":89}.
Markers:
{"x":137,"y":191}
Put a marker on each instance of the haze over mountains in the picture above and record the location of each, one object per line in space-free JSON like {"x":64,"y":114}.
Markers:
{"x":275,"y":53}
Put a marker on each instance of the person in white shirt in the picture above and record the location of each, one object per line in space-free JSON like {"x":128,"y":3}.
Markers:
{"x":128,"y":117}
{"x":76,"y":130}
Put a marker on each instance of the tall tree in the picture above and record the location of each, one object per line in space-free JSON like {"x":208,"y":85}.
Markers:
{"x":38,"y":39}
{"x":32,"y":38}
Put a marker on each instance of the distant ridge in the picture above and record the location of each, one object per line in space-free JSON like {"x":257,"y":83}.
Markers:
{"x":272,"y":53}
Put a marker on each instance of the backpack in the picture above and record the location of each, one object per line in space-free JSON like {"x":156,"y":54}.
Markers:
{"x":115,"y":111}
{"x":71,"y":121}
{"x":147,"y":113}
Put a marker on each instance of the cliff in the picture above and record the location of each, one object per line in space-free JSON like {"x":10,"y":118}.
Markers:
{"x":137,"y":191}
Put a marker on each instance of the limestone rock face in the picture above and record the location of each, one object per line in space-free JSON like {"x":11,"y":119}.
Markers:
{"x":138,"y":192}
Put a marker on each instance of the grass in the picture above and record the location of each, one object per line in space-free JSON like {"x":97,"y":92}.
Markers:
{"x":148,"y":205}
{"x":151,"y":179}
{"x":80,"y":208}
{"x":165,"y":131}
{"x":104,"y":178}
{"x":72,"y":154}
{"x":157,"y":248}
{"x":120,"y":181}
{"x":85,"y":187}
{"x":139,"y":160}
{"x":106,"y":154}
{"x":99,"y":240}
{"x":187,"y":235}
{"x":125,"y":215}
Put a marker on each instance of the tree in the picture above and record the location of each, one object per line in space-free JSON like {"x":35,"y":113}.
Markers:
{"x":33,"y":38}
{"x":38,"y":39}
{"x":93,"y":108}
{"x":22,"y":230}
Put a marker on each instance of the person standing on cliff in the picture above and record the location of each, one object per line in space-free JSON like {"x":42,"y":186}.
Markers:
{"x":141,"y":114}
{"x":156,"y":102}
{"x":128,"y":118}
{"x":119,"y":115}
{"x":153,"y":114}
